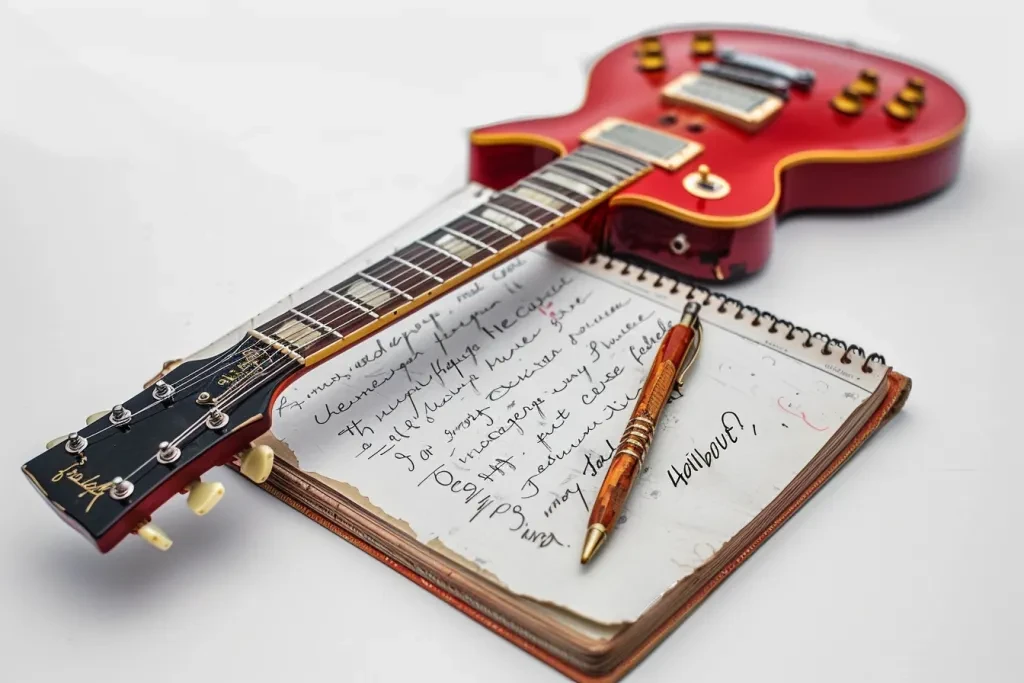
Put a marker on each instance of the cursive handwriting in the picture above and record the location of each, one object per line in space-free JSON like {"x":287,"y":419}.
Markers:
{"x":90,"y":487}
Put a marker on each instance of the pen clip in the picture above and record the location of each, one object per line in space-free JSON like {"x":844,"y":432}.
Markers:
{"x":691,"y":353}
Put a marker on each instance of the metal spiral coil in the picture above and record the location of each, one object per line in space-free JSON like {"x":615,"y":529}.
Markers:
{"x":757,"y":318}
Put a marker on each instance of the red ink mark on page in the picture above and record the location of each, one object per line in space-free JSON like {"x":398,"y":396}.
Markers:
{"x":802,"y":415}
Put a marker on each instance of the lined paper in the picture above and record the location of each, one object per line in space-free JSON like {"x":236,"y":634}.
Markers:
{"x":487,"y":421}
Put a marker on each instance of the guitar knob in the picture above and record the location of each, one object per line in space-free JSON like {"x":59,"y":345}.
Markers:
{"x":913,"y":92}
{"x":154,"y":535}
{"x":866,"y":84}
{"x":651,"y":56}
{"x":702,"y":45}
{"x":96,"y":416}
{"x":848,"y":102}
{"x":203,"y":496}
{"x":257,"y":463}
{"x":900,"y":110}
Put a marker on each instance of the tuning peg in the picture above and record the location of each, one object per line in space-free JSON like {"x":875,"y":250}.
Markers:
{"x":257,"y":463}
{"x":168,"y":366}
{"x":203,"y":496}
{"x":96,"y":416}
{"x":59,"y":440}
{"x":154,"y":535}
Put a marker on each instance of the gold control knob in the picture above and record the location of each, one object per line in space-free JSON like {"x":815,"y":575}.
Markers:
{"x":706,"y":185}
{"x":651,"y":56}
{"x":168,"y":366}
{"x":154,"y":535}
{"x":702,"y":44}
{"x":96,"y":416}
{"x":900,"y":110}
{"x":848,"y":102}
{"x":257,"y":463}
{"x":203,"y":496}
{"x":866,"y":84}
{"x":913,"y":92}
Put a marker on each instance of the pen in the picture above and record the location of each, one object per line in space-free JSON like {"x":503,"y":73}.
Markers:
{"x":675,"y":356}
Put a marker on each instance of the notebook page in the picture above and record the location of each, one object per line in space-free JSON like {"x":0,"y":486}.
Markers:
{"x":486,"y":422}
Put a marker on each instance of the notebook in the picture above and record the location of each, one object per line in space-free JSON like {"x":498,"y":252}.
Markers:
{"x":464,"y":446}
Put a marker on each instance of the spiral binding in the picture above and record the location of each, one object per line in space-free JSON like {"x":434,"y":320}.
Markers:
{"x":758,"y":317}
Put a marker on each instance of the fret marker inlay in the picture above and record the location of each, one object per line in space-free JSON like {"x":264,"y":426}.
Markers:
{"x":538,"y":198}
{"x":502,"y":219}
{"x":297,"y":333}
{"x":368,"y":294}
{"x":456,"y":246}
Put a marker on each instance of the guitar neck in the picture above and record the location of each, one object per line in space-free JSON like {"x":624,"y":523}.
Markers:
{"x":508,"y":223}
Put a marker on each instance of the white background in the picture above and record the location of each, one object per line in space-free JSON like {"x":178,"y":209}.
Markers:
{"x":165,"y":173}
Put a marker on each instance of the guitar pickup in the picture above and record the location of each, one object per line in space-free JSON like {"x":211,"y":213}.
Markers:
{"x":741,"y":105}
{"x":800,"y":78}
{"x":776,"y":85}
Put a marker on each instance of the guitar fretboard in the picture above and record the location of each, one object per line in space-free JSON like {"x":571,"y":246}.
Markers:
{"x":509,"y":222}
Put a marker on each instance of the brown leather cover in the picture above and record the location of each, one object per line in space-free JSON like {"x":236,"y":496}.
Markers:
{"x":896,"y":395}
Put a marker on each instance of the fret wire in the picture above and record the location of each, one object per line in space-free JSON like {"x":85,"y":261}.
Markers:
{"x":329,"y":330}
{"x":509,"y":193}
{"x":529,"y":182}
{"x":445,"y":252}
{"x":371,"y":278}
{"x":620,"y":157}
{"x":581,"y":165}
{"x":414,"y":267}
{"x":475,"y":242}
{"x":512,"y":212}
{"x":602,"y":156}
{"x":494,"y":226}
{"x":520,"y":207}
{"x":487,"y":234}
{"x":559,"y":178}
{"x":352,"y":302}
{"x":411,"y":281}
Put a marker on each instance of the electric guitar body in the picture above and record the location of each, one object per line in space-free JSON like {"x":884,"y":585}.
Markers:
{"x":861,"y":131}
{"x":687,"y":148}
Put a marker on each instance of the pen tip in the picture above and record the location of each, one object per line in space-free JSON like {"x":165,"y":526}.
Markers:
{"x":595,"y":537}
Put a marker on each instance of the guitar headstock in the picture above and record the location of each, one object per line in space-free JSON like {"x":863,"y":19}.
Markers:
{"x":107,"y":478}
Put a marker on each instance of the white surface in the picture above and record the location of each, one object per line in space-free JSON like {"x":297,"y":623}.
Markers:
{"x":180,"y":160}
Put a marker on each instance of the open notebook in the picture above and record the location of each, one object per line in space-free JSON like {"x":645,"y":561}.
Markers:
{"x":464,"y":446}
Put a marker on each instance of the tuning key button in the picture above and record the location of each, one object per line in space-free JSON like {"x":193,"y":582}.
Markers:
{"x":848,"y":102}
{"x":257,"y":462}
{"x":900,"y":110}
{"x":168,"y":367}
{"x":703,"y":44}
{"x":203,"y":496}
{"x":866,"y":84}
{"x":96,"y":416}
{"x":56,"y":442}
{"x":913,"y":92}
{"x":154,"y":535}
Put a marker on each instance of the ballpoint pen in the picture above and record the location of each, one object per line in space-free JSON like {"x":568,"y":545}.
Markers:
{"x":674,"y":357}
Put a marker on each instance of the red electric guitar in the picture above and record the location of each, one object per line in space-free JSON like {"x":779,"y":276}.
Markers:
{"x":688,"y":146}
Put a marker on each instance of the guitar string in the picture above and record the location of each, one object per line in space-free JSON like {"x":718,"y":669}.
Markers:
{"x":227,"y":359}
{"x":258,"y":376}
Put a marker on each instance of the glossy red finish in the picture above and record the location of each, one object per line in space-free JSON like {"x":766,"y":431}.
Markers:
{"x":810,"y":156}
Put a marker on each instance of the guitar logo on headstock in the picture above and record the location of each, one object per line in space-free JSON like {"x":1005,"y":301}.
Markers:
{"x":90,"y":486}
